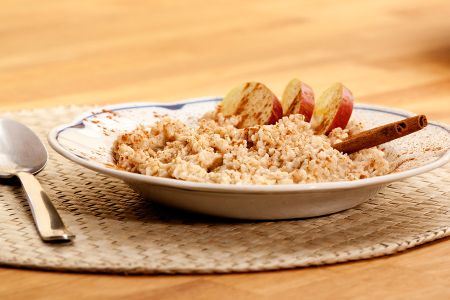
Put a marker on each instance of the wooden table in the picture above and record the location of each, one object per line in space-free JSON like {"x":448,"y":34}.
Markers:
{"x":393,"y":53}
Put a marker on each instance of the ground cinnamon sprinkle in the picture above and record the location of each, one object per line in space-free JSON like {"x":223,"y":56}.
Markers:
{"x":218,"y":152}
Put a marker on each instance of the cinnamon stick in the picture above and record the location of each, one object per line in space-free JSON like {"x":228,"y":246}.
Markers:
{"x":380,"y":135}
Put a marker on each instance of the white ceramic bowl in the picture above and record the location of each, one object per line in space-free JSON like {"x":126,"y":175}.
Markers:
{"x":88,"y":140}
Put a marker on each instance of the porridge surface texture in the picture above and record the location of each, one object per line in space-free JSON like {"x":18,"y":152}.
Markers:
{"x":215,"y":151}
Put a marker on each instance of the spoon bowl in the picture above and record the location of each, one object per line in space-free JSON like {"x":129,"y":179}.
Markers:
{"x":20,"y":149}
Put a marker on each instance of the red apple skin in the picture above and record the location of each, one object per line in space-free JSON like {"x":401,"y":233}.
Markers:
{"x":344,"y":111}
{"x":303,"y":101}
{"x":277,"y":112}
{"x":307,"y":105}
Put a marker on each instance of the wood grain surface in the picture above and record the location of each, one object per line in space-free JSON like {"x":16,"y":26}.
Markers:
{"x":392,"y":53}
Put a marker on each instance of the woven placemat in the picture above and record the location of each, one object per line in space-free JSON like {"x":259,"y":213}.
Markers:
{"x":119,"y":232}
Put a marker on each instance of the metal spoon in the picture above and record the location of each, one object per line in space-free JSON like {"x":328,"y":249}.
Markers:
{"x":22,"y":154}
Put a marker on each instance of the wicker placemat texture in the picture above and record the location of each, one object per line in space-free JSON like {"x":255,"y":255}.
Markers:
{"x":119,"y":232}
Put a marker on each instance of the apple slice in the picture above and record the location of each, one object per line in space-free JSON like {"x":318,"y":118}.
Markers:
{"x":333,"y":109}
{"x":298,"y":98}
{"x":254,"y":103}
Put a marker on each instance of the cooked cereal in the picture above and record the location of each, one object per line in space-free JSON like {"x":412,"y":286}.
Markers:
{"x":218,"y":152}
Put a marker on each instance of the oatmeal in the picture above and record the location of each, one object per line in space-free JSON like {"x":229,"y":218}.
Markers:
{"x":216,"y":151}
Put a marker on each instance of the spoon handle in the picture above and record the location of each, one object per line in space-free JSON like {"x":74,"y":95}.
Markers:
{"x":48,"y":222}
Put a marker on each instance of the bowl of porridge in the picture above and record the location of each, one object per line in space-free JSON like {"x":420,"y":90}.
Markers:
{"x":190,"y":156}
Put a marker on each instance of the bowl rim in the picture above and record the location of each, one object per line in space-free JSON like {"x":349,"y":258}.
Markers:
{"x":234,"y":188}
